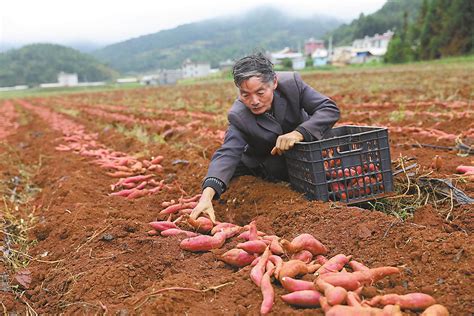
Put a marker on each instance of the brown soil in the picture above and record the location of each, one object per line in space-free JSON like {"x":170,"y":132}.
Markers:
{"x":93,"y":255}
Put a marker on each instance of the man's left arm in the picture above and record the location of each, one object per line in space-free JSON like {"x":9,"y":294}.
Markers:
{"x":322,"y":110}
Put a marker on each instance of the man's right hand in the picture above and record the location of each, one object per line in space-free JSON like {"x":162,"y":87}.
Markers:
{"x":205,"y":205}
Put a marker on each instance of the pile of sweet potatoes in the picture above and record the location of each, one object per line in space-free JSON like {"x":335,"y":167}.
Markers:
{"x":137,"y":178}
{"x":333,"y":284}
{"x":353,"y":182}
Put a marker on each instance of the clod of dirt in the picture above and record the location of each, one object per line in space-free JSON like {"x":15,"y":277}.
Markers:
{"x":107,"y":237}
{"x":41,"y":232}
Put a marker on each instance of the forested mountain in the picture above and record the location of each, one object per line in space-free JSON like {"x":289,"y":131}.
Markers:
{"x":442,"y":28}
{"x":389,"y":17}
{"x":40,"y":63}
{"x":215,"y":40}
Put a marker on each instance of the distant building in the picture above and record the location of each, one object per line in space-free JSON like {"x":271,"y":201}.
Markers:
{"x":195,"y":69}
{"x":341,"y":56}
{"x":67,"y":80}
{"x":320,"y":57}
{"x":370,"y":48}
{"x":297,"y":59}
{"x":14,"y":88}
{"x":226,"y":65}
{"x":311,"y":45}
{"x":127,"y":80}
{"x":163,"y":77}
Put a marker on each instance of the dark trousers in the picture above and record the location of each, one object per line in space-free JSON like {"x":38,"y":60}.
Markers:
{"x":272,"y":168}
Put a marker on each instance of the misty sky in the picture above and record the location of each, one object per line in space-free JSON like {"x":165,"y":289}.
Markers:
{"x":107,"y":21}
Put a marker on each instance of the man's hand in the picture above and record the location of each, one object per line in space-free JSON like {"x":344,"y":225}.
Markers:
{"x":286,"y":141}
{"x":205,"y":205}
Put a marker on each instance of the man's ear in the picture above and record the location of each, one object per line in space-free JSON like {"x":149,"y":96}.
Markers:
{"x":275,"y":82}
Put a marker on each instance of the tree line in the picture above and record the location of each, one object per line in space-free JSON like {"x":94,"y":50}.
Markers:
{"x":442,"y":28}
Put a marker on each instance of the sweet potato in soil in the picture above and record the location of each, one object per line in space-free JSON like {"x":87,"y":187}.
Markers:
{"x":73,"y":210}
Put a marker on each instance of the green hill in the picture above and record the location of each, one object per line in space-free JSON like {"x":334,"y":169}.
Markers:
{"x":389,"y":17}
{"x":40,"y":63}
{"x":215,"y":40}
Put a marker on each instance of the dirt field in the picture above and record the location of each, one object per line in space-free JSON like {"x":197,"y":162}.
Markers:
{"x":86,"y":252}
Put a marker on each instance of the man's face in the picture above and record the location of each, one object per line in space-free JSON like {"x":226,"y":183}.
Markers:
{"x":256,"y":95}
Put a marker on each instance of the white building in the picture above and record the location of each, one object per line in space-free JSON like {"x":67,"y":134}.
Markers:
{"x":320,"y":57}
{"x":341,"y":55}
{"x":297,"y":59}
{"x":127,"y":80}
{"x":195,"y":69}
{"x":162,"y":77}
{"x":67,"y":80}
{"x":370,"y":48}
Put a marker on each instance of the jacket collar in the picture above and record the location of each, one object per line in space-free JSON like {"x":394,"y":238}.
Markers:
{"x":279,"y":105}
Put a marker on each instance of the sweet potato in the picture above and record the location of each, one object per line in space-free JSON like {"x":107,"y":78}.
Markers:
{"x":345,"y":280}
{"x":344,"y":310}
{"x":334,"y":294}
{"x":142,"y":185}
{"x":303,"y":255}
{"x":220,"y":226}
{"x":275,"y":246}
{"x":231,"y":231}
{"x":413,"y":301}
{"x":162,"y":225}
{"x":267,"y":292}
{"x":253,"y":246}
{"x":252,"y":231}
{"x":292,"y":268}
{"x":200,"y":224}
{"x":138,"y":178}
{"x":123,"y":193}
{"x":464,"y":169}
{"x":436,"y":310}
{"x":137,"y":193}
{"x":177,"y":232}
{"x":334,"y":264}
{"x":237,"y":257}
{"x":357,"y":266}
{"x":157,"y":160}
{"x":246,"y":234}
{"x":176,"y":207}
{"x":353,"y":299}
{"x":278,"y":262}
{"x":304,"y":242}
{"x":321,"y":259}
{"x":293,"y":285}
{"x":190,"y":199}
{"x":305,"y":298}
{"x":152,"y":232}
{"x":351,"y":281}
{"x":203,"y":242}
{"x":119,"y":174}
{"x":258,"y":270}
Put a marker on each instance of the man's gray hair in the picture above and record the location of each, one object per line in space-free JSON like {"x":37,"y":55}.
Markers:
{"x":256,"y":65}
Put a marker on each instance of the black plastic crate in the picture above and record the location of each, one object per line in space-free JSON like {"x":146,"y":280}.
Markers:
{"x":350,"y":164}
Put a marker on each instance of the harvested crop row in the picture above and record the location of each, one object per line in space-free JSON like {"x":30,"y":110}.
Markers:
{"x":9,"y":122}
{"x":137,"y":178}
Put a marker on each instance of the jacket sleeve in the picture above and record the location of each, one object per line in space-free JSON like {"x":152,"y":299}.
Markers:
{"x":227,"y":157}
{"x":322,"y":110}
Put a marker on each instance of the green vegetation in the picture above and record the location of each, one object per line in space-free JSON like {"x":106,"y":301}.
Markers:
{"x":443,"y":28}
{"x":389,"y":17}
{"x":215,"y":40}
{"x":41,"y":63}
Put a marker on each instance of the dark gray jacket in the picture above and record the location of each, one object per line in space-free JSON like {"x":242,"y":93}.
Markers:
{"x":249,"y":137}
